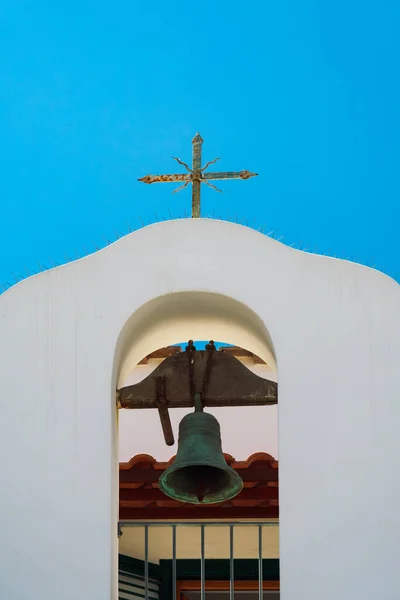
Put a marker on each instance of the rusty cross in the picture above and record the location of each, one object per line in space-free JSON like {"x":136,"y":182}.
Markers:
{"x":196,"y":175}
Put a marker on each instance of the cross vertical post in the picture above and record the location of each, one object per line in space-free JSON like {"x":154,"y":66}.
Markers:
{"x":196,"y":170}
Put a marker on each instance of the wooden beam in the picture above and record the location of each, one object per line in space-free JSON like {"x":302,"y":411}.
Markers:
{"x":230,"y":384}
{"x":245,"y":586}
{"x":241,"y":353}
{"x":197,"y":512}
{"x":260,"y":492}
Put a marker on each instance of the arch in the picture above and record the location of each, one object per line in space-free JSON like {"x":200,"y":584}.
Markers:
{"x":179,"y":316}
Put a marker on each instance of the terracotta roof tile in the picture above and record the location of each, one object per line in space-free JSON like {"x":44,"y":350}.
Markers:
{"x":141,"y":499}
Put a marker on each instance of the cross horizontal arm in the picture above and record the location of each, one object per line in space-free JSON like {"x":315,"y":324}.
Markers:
{"x":166,"y":178}
{"x":229,"y":175}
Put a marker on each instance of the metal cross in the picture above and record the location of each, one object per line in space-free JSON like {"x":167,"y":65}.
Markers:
{"x":196,"y":175}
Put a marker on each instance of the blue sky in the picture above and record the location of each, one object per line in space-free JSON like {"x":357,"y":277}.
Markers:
{"x":95,"y":95}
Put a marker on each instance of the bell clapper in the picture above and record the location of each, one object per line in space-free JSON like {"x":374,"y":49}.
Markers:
{"x":201,"y":487}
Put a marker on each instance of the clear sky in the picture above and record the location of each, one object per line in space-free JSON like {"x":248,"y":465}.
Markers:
{"x":97,"y":94}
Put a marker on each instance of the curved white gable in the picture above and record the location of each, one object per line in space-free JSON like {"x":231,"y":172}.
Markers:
{"x":335,"y":330}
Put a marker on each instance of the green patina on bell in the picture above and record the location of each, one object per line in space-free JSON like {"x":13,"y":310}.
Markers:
{"x":200,"y":473}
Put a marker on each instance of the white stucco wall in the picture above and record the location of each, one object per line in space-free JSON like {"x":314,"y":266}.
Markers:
{"x":335,"y":328}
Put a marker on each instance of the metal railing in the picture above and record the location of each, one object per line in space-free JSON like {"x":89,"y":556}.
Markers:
{"x":203,"y":526}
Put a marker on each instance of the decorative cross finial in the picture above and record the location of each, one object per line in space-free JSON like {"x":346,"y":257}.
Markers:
{"x":196,"y":175}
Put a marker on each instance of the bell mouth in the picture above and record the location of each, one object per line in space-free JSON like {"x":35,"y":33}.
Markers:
{"x":201,"y":484}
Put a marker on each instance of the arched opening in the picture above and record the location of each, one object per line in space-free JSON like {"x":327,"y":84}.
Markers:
{"x":169,"y":319}
{"x":150,"y":336}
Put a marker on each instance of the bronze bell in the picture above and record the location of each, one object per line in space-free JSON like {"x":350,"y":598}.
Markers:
{"x":200,"y":473}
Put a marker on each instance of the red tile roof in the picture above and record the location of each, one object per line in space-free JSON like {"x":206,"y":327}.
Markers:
{"x":141,"y":499}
